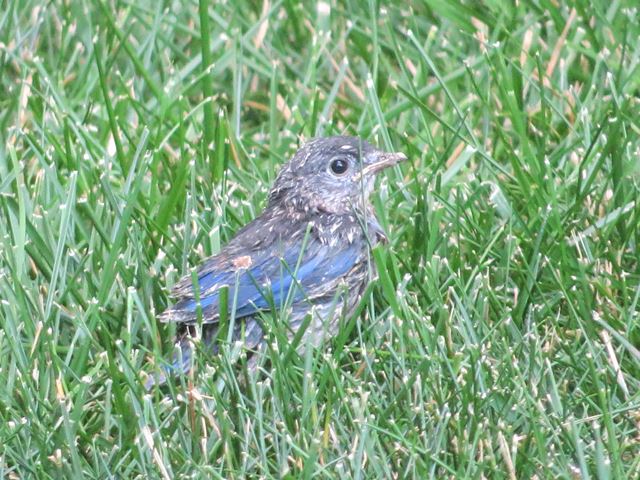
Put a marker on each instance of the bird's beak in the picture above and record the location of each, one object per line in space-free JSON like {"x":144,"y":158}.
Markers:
{"x":383,"y":161}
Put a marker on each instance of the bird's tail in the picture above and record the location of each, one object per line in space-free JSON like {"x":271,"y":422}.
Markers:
{"x":180,"y":364}
{"x":249,"y":331}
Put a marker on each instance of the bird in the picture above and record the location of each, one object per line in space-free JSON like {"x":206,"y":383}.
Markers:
{"x":304,"y":258}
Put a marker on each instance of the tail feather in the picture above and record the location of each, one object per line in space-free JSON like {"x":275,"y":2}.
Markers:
{"x":181,"y":364}
{"x":249,"y":331}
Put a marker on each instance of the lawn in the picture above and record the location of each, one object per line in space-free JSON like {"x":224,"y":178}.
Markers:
{"x":502,"y":337}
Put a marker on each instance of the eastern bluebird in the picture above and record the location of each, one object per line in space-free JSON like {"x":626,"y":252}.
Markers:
{"x":306,"y":254}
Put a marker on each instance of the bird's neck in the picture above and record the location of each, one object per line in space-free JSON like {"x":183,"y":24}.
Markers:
{"x":330,"y":227}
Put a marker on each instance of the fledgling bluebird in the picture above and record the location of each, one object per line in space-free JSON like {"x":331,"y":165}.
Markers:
{"x":307,"y":253}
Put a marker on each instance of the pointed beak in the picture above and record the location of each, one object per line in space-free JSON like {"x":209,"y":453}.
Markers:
{"x":384,"y":160}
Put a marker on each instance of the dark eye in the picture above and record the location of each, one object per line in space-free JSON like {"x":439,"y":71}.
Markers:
{"x":339,"y":166}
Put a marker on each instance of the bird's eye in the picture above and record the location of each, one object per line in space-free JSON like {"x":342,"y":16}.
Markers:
{"x":339,"y":166}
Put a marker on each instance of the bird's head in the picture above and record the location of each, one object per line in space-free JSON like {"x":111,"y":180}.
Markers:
{"x":333,"y":174}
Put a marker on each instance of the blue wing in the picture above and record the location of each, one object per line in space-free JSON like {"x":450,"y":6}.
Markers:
{"x":260,"y":280}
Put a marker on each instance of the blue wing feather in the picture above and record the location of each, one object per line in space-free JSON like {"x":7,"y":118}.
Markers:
{"x":274,"y":279}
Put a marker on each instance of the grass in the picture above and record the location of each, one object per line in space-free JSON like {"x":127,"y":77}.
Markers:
{"x":502,"y":337}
